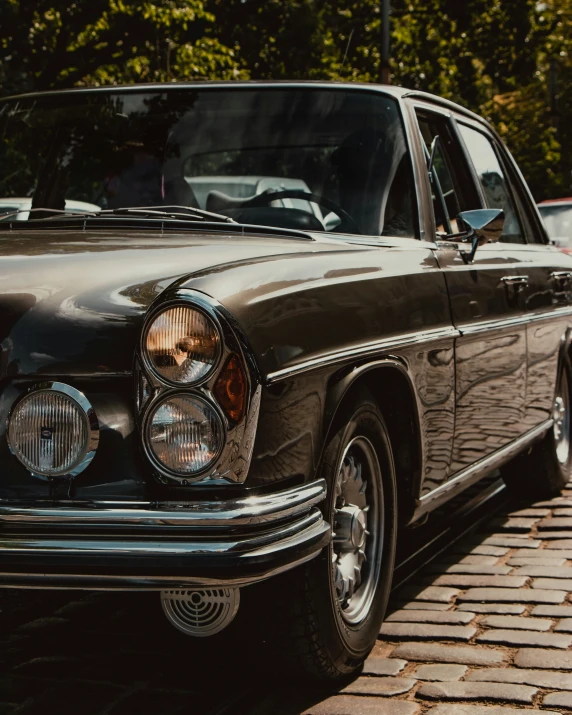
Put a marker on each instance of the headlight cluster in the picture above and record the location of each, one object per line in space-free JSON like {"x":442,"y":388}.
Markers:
{"x":192,"y":393}
{"x":184,"y":429}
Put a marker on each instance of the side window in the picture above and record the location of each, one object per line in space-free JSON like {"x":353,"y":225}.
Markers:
{"x":493,"y":180}
{"x":451,"y":170}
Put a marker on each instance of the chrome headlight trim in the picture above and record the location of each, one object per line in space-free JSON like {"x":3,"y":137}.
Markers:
{"x":153,"y":406}
{"x":148,"y":364}
{"x":234,"y":461}
{"x":92,"y":442}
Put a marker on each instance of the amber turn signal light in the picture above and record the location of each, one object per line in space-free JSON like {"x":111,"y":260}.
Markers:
{"x":230,"y":389}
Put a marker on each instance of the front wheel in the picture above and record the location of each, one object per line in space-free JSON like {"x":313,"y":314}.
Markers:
{"x":546,"y":469}
{"x":335,"y":605}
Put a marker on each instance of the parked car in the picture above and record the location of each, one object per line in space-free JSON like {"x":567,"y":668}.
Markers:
{"x":557,"y":215}
{"x":196,"y":397}
{"x":21,"y":208}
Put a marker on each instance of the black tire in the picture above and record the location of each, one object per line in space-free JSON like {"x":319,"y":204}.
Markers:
{"x":316,"y":635}
{"x":545,"y":469}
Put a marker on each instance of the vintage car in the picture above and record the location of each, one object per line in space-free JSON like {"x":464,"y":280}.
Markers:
{"x":197,"y":398}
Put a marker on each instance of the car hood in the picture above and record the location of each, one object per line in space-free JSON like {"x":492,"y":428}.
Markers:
{"x":72,"y":303}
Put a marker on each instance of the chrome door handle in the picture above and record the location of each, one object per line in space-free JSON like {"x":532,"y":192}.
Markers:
{"x":561,"y":276}
{"x":515,"y":280}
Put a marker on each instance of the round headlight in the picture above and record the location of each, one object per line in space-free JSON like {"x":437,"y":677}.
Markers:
{"x":53,"y":431}
{"x":182,"y":345}
{"x":184,"y":434}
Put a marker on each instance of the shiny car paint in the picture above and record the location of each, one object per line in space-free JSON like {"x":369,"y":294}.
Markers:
{"x":466,"y":363}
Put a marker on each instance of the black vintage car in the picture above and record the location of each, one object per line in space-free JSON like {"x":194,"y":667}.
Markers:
{"x":302,"y":316}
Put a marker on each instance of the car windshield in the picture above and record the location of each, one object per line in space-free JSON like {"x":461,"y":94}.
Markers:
{"x":308,"y":158}
{"x":558,"y":221}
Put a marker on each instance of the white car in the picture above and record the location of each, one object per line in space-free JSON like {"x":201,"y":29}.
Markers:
{"x":10,"y":205}
{"x":557,"y":215}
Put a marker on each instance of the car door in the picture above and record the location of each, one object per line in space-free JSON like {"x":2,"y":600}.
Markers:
{"x":547,"y":294}
{"x":486,"y":303}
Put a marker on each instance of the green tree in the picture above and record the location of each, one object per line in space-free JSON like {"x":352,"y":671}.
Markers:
{"x":493,"y":56}
{"x":278,"y":39}
{"x":50,"y":43}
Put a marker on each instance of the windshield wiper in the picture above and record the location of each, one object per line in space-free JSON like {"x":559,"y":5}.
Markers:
{"x":165,"y":213}
{"x":174,"y":212}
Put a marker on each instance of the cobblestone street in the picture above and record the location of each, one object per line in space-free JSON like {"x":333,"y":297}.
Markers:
{"x":485,"y":629}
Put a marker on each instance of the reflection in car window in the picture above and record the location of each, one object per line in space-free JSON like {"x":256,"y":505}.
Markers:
{"x":493,"y":181}
{"x":558,"y":222}
{"x":217,"y":149}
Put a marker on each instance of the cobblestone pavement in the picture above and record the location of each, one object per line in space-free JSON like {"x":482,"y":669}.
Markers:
{"x":486,"y":629}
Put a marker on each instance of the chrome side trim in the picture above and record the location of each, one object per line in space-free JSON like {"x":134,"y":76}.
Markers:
{"x":246,"y":511}
{"x":478,"y":470}
{"x":365,"y":350}
{"x":426,"y":336}
{"x":487,"y":325}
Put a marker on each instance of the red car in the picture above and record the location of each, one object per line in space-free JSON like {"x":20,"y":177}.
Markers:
{"x":557,"y":215}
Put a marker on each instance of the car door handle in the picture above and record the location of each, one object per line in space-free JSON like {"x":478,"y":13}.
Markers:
{"x":561,"y":276}
{"x":515,"y":280}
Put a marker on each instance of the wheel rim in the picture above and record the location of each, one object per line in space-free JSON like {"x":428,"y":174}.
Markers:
{"x":358,"y":537}
{"x":561,"y":417}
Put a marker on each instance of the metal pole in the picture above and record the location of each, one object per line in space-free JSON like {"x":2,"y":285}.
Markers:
{"x":553,"y":89}
{"x":385,"y":76}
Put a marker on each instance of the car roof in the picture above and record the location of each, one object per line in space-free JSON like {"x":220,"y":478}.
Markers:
{"x":392,"y":90}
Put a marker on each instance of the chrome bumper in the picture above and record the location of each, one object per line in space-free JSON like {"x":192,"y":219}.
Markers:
{"x":157,"y":546}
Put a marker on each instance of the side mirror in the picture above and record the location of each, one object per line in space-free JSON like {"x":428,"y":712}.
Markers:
{"x":479,"y":227}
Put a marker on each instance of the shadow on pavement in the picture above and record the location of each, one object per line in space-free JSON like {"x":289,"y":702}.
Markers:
{"x":114,"y":653}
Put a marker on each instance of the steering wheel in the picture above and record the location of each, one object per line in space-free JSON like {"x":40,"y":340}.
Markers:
{"x":269,"y":195}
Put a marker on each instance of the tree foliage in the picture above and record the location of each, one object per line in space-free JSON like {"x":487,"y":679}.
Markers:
{"x":53,"y":43}
{"x":493,"y":56}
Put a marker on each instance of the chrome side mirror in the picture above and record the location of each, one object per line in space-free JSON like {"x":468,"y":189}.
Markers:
{"x":479,"y":227}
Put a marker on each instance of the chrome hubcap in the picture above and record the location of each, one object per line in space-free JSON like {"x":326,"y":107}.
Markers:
{"x":357,"y":534}
{"x":561,"y":417}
